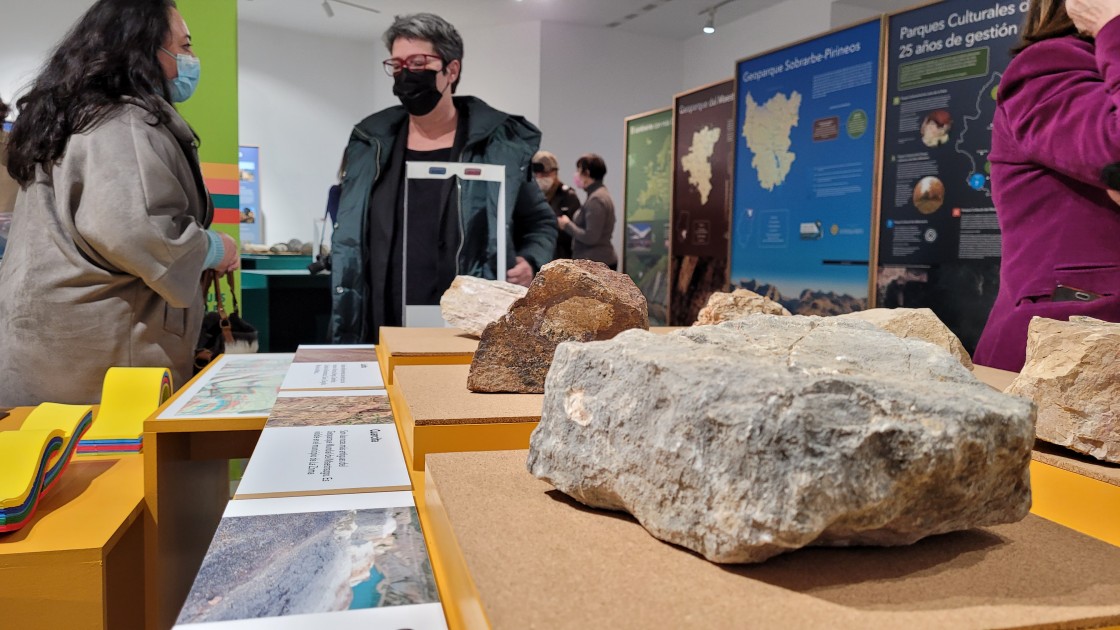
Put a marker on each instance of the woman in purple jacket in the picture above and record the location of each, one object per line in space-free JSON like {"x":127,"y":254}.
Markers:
{"x":1056,"y":129}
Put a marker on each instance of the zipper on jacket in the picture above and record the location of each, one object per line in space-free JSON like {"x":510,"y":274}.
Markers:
{"x":459,"y":213}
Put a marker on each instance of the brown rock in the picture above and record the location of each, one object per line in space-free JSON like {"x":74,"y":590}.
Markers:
{"x":1073,"y":374}
{"x":725,"y":307}
{"x":915,"y":323}
{"x":569,"y":300}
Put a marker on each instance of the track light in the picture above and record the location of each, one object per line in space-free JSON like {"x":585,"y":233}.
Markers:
{"x":710,"y":26}
{"x":327,"y":9}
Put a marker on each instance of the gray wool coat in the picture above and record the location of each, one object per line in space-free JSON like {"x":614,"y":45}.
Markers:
{"x":104,"y":262}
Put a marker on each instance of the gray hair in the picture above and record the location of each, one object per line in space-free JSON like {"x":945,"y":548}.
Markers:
{"x":430,"y":28}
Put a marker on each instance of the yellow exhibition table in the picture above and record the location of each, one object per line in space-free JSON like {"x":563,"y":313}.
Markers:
{"x":79,"y":563}
{"x":186,"y":487}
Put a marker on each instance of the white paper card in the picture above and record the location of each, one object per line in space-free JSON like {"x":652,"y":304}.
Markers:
{"x":293,"y":461}
{"x":343,"y":375}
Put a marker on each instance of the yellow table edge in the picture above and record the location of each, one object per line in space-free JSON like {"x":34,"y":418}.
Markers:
{"x":197,"y":425}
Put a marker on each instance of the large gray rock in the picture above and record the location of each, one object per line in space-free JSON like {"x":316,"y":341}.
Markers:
{"x":1073,"y":374}
{"x":915,"y":323}
{"x":471,"y":304}
{"x":755,"y":437}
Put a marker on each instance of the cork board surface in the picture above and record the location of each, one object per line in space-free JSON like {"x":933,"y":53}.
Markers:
{"x":438,"y":395}
{"x":540,"y":560}
{"x":421,"y":342}
{"x":1061,"y":457}
{"x":999,"y":379}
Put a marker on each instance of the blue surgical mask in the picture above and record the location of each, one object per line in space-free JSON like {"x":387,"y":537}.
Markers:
{"x":183,"y":86}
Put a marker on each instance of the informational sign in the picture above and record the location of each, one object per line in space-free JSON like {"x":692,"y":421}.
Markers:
{"x":939,"y":240}
{"x":649,"y":155}
{"x":805,"y":165}
{"x":703,"y":132}
{"x":249,"y":175}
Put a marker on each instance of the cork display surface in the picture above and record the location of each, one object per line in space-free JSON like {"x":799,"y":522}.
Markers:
{"x":438,"y":395}
{"x":422,"y":342}
{"x":539,"y":559}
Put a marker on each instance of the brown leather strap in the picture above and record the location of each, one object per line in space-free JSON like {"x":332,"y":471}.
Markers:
{"x":223,"y":317}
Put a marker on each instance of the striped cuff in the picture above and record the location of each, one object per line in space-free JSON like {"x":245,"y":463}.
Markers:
{"x":215,"y":251}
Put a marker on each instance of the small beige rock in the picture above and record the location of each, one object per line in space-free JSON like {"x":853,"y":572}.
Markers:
{"x":470,"y":304}
{"x":1073,"y":374}
{"x":725,"y":307}
{"x":915,"y":323}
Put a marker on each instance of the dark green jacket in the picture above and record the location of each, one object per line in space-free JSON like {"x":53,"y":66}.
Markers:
{"x":360,"y":262}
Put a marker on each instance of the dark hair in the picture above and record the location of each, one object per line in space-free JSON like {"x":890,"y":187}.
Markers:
{"x":1046,"y":19}
{"x":433,"y":29}
{"x":593,"y":165}
{"x":4,"y":109}
{"x":109,"y":54}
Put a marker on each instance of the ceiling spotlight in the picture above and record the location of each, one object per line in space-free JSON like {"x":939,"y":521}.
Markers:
{"x":709,"y":26}
{"x":327,"y":9}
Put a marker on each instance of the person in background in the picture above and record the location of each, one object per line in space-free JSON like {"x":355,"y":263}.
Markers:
{"x":593,"y":224}
{"x":451,"y":227}
{"x":561,"y":197}
{"x":109,"y":237}
{"x":1056,"y":127}
{"x":8,"y":186}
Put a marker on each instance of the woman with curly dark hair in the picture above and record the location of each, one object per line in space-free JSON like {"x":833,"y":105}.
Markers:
{"x":109,"y":235}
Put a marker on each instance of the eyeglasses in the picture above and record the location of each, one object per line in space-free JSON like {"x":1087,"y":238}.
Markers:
{"x":414,"y":63}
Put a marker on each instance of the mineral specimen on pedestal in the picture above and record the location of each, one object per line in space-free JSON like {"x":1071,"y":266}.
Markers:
{"x":915,"y":323}
{"x":569,"y":300}
{"x":751,"y":438}
{"x":1073,"y":374}
{"x":724,"y":307}
{"x":470,"y":304}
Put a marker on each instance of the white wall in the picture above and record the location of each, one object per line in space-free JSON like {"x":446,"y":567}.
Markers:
{"x":299,"y":96}
{"x":30,"y":30}
{"x":711,"y":58}
{"x":593,"y":78}
{"x":502,"y":66}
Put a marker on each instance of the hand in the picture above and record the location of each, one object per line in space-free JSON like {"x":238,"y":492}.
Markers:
{"x":231,"y":260}
{"x":521,"y":273}
{"x":564,"y":221}
{"x":1090,"y":16}
{"x":1115,"y":195}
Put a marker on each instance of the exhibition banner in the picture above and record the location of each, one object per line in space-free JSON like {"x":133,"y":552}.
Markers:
{"x":249,"y":187}
{"x":939,"y":239}
{"x":703,"y":125}
{"x":805,"y":171}
{"x":649,"y":154}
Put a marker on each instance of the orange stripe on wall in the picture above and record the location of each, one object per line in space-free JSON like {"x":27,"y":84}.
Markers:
{"x":211,"y":170}
{"x":223,"y":186}
{"x":227,"y":216}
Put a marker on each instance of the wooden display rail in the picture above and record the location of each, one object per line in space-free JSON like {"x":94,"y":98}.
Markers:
{"x":520,"y":554}
{"x":436,"y":413}
{"x":422,"y":346}
{"x":186,"y":488}
{"x":79,"y":563}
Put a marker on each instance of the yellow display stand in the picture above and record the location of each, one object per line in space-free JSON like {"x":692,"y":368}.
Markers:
{"x":78,"y":564}
{"x":422,"y":346}
{"x":186,"y":488}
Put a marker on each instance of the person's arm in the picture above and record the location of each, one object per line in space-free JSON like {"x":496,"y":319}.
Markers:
{"x":595,"y":215}
{"x":534,"y":226}
{"x":1064,"y":111}
{"x":133,"y":209}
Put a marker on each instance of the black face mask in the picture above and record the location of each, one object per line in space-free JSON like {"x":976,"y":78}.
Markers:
{"x":417,"y":91}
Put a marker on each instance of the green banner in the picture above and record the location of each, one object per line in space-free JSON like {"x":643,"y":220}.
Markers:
{"x":649,"y":140}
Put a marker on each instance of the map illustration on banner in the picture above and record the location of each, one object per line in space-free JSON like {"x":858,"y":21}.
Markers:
{"x":649,"y":153}
{"x":701,"y":198}
{"x":805,"y":169}
{"x":939,"y":238}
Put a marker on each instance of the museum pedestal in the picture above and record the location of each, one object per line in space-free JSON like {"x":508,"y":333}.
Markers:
{"x":79,"y":563}
{"x":423,"y":346}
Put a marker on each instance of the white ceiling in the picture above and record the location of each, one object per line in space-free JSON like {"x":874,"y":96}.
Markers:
{"x":672,"y":19}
